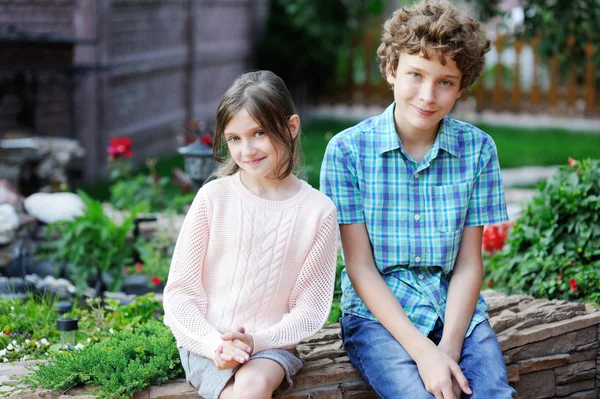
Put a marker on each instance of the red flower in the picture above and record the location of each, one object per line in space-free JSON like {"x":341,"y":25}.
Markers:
{"x":559,"y":277}
{"x":156,"y":280}
{"x":207,"y":140}
{"x":7,"y":332}
{"x":494,"y":237}
{"x":138,"y":267}
{"x":490,"y":284}
{"x":120,"y":146}
{"x":573,"y":284}
{"x":571,"y":162}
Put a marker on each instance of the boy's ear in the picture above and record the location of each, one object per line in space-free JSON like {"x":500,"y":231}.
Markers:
{"x":294,"y":124}
{"x":389,"y":73}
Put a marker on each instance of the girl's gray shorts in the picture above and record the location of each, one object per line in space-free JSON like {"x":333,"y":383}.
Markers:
{"x":202,"y":373}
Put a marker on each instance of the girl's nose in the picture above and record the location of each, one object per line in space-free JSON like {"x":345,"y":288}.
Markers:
{"x":249,"y":148}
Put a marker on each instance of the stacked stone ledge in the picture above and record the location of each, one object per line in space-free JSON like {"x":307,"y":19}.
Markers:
{"x":550,"y":348}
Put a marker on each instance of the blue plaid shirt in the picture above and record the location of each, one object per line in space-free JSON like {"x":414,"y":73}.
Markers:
{"x":414,"y":213}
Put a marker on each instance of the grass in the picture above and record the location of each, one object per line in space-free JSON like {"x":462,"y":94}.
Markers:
{"x":516,"y":146}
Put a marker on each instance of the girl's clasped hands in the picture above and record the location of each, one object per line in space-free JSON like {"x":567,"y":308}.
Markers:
{"x":236,"y":349}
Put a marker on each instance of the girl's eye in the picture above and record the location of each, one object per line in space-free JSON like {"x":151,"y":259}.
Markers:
{"x":259,"y":133}
{"x":232,"y":138}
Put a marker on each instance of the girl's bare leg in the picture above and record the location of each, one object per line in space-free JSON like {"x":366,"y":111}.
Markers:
{"x":257,"y":379}
{"x":227,"y":392}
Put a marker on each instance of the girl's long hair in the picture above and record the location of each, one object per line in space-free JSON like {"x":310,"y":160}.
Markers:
{"x":266,"y":98}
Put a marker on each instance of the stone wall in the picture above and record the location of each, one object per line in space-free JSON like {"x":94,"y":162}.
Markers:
{"x":161,"y":62}
{"x":550,"y":347}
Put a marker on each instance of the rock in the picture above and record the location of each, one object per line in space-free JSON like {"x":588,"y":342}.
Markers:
{"x":543,"y":363}
{"x":9,"y":223}
{"x":563,"y":390}
{"x":536,"y":385}
{"x":9,"y":195}
{"x":50,"y":208}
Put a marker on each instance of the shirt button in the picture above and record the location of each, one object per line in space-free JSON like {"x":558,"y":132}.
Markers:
{"x":418,"y":259}
{"x":420,"y":276}
{"x":417,"y":217}
{"x":417,"y":175}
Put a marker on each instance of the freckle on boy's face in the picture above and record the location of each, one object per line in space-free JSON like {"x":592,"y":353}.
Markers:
{"x":424,"y":91}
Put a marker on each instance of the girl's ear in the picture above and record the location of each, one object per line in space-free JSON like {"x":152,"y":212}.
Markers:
{"x":294,"y":125}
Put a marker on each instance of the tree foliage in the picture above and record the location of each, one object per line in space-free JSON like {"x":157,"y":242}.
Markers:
{"x":303,"y":38}
{"x":555,"y":22}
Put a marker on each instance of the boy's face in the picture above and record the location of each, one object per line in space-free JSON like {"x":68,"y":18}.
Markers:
{"x":424,"y":91}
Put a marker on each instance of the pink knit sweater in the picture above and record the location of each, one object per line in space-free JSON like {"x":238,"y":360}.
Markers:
{"x":240,"y":260}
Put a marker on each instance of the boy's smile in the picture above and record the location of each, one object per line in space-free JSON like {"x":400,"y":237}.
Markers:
{"x":424,"y":91}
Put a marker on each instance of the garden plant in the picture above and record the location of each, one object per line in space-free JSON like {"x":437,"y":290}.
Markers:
{"x":553,"y":249}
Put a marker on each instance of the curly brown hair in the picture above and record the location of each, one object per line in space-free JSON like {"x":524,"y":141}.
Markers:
{"x":434,"y":28}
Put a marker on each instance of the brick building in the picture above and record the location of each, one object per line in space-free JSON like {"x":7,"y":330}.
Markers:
{"x":149,"y":65}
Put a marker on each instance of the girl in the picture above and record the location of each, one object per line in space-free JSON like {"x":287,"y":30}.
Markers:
{"x":254,"y":266}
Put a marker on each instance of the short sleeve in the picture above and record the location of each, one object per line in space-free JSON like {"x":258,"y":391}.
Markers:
{"x":340,"y":183}
{"x":487,"y":204}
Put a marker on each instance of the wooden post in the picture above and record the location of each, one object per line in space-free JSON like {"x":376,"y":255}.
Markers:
{"x":535,"y":95}
{"x":571,"y":94}
{"x":589,"y":77}
{"x":368,"y":60}
{"x":515,"y":98}
{"x":350,"y":78}
{"x":553,"y":90}
{"x":498,"y":97}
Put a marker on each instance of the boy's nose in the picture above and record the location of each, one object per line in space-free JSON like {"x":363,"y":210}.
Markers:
{"x":427,"y":93}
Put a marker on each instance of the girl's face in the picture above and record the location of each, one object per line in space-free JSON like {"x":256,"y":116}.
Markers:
{"x":251,"y":148}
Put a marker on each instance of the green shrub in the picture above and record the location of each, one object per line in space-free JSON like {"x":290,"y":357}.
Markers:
{"x":91,"y":243}
{"x":336,"y":309}
{"x":553,"y":250}
{"x":29,"y":326}
{"x":123,"y":364}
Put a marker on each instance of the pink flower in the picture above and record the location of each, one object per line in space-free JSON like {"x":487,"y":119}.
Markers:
{"x":138,"y":267}
{"x":559,"y":277}
{"x":571,"y":162}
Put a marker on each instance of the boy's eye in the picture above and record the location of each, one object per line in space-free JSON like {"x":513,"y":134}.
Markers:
{"x":446,"y":83}
{"x":414,"y":75}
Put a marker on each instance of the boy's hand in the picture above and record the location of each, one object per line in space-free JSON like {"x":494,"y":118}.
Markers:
{"x":240,"y":339}
{"x":454,"y":355}
{"x":438,"y":370}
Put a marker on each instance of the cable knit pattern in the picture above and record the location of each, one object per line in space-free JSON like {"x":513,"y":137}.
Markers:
{"x":240,"y":260}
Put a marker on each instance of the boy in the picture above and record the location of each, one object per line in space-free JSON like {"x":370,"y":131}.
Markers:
{"x":413,"y":189}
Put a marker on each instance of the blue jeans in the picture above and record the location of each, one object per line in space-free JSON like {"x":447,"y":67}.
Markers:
{"x":393,"y":374}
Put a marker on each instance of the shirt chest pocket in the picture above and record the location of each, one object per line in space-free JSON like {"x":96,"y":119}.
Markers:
{"x":450,"y":204}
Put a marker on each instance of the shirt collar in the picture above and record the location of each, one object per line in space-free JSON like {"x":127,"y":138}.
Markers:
{"x":447,"y":137}
{"x":387,"y":139}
